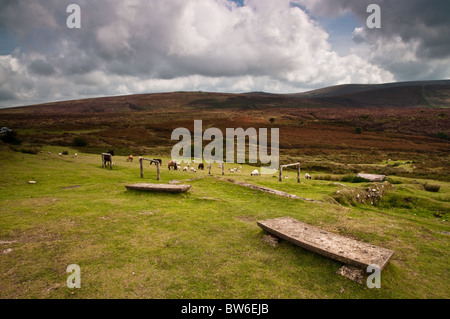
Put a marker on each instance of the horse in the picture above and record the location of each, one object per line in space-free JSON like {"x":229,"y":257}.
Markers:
{"x":130,"y":158}
{"x":157,"y":159}
{"x":172,"y":164}
{"x":108,"y":158}
{"x":201,"y":166}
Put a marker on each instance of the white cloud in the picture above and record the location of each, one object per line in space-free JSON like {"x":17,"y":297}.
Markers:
{"x":139,"y":46}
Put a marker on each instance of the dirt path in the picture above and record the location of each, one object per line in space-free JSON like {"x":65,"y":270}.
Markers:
{"x":273,"y":191}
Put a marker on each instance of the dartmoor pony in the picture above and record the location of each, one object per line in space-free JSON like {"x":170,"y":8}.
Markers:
{"x":130,"y":158}
{"x":201,"y":166}
{"x":157,"y":159}
{"x":172,"y":164}
{"x":108,"y":158}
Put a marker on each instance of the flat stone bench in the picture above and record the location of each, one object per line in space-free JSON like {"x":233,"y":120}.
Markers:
{"x":346,"y":250}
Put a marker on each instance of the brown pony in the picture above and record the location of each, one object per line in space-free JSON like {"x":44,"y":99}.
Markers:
{"x":130,"y":158}
{"x":172,"y":164}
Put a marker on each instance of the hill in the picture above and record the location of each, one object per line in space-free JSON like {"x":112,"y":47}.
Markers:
{"x":391,"y":95}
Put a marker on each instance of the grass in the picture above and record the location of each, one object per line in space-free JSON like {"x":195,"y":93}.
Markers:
{"x":204,"y":243}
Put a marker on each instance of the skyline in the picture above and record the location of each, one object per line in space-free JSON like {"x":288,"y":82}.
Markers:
{"x":138,"y":46}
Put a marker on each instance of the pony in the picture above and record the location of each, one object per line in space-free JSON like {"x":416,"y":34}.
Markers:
{"x":172,"y":164}
{"x":130,"y":158}
{"x":108,"y":158}
{"x":157,"y":159}
{"x":201,"y":166}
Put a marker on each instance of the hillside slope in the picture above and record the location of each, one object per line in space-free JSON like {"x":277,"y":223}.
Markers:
{"x":392,"y":95}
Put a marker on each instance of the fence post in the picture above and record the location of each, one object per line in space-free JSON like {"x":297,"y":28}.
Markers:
{"x":142,"y":166}
{"x":298,"y":173}
{"x":157,"y":170}
{"x":280,"y":178}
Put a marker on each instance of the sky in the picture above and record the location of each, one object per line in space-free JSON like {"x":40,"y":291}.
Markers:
{"x":277,"y":46}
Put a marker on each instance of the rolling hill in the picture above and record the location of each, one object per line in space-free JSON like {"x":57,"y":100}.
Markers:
{"x":390,"y":95}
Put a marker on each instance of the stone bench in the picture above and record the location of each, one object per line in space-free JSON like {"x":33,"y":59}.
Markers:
{"x":349,"y":251}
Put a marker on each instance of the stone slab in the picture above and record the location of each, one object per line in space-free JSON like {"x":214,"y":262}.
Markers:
{"x":372,"y":177}
{"x":166,"y":188}
{"x":346,"y":250}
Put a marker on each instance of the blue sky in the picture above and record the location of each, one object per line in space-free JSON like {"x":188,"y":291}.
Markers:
{"x":278,"y":46}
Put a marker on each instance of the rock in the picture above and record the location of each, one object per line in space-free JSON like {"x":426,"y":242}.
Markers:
{"x":269,"y":239}
{"x":352,"y":273}
{"x":7,"y":251}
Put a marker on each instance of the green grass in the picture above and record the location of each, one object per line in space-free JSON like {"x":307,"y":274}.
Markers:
{"x":204,"y":243}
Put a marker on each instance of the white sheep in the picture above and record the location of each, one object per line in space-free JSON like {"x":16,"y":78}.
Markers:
{"x":307,"y":176}
{"x":185,"y":169}
{"x":193,"y":170}
{"x":255,"y":173}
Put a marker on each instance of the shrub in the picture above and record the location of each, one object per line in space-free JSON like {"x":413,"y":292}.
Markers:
{"x":358,"y":130}
{"x":393,"y":181}
{"x":354,"y":179}
{"x":326,"y":178}
{"x":29,"y":151}
{"x":431,"y":187}
{"x":79,"y":141}
{"x":65,"y":152}
{"x":442,"y":135}
{"x":10,"y":137}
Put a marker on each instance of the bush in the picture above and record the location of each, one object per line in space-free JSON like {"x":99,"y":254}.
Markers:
{"x":29,"y":151}
{"x":393,"y":181}
{"x":79,"y":142}
{"x":358,"y":130}
{"x":431,"y":187}
{"x":442,"y":135}
{"x":11,"y":138}
{"x":65,"y":152}
{"x":326,"y":178}
{"x":354,"y":179}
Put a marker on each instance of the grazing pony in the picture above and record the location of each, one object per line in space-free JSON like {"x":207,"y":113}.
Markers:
{"x":172,"y":164}
{"x":157,"y":159}
{"x":130,"y":158}
{"x":201,"y":166}
{"x":108,"y":158}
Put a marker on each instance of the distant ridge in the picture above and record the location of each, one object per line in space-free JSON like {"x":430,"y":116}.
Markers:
{"x":434,"y":94}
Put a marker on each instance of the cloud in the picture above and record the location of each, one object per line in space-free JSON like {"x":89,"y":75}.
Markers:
{"x":414,"y":39}
{"x":139,"y":46}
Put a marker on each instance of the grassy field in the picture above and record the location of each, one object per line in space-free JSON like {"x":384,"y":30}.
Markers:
{"x":204,"y":243}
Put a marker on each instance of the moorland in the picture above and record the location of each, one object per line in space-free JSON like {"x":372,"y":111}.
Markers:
{"x":205,"y":243}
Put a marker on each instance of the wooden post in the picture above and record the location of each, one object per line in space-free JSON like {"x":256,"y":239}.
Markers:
{"x":157,"y":170}
{"x":298,"y":173}
{"x":223,"y":168}
{"x":210,"y":168}
{"x":142,"y":166}
{"x":280,"y":178}
{"x":103,"y":161}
